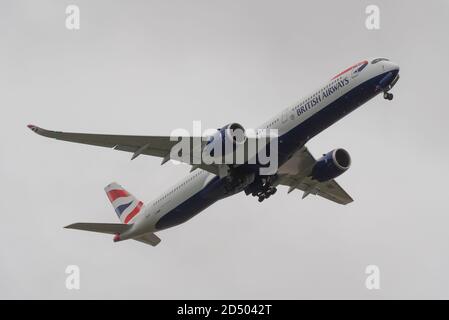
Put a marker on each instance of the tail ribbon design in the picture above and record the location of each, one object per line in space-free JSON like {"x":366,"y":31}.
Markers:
{"x":125,"y":204}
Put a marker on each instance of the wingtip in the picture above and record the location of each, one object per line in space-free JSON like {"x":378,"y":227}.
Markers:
{"x":33,"y":128}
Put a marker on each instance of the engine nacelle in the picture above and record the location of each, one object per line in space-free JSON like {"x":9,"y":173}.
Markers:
{"x":331,"y":165}
{"x":234,"y":133}
{"x":226,"y":139}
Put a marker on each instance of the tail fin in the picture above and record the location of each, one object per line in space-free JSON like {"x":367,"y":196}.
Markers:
{"x":125,"y":204}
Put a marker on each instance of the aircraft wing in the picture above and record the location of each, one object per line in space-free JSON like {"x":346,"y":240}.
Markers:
{"x":295,"y":174}
{"x":158,"y":146}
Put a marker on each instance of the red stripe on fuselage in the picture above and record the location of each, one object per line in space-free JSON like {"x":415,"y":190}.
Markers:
{"x":135,"y":211}
{"x":346,"y":70}
{"x":114,"y":194}
{"x":343,"y":72}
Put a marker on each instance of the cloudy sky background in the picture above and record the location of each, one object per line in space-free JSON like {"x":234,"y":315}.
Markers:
{"x":147,"y":67}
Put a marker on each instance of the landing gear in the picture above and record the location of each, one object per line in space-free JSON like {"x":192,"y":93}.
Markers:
{"x":388,"y":95}
{"x":262,"y":188}
{"x":267,"y":192}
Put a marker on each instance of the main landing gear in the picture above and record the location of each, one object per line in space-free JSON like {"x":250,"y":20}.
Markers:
{"x":266,"y":192}
{"x":262,"y":188}
{"x":388,"y":95}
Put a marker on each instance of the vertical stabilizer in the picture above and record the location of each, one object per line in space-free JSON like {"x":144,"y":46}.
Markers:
{"x":125,"y":204}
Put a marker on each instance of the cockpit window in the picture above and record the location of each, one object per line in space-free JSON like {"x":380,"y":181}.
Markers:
{"x":378,"y":60}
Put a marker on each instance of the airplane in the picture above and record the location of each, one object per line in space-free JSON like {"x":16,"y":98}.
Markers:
{"x":208,"y":183}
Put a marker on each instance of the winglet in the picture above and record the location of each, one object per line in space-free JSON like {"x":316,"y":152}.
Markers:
{"x":39,"y":130}
{"x":33,"y":128}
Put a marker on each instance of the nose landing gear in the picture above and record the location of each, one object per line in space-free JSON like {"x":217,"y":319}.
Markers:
{"x":388,"y":95}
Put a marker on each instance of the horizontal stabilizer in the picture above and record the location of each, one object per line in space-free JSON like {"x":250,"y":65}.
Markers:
{"x":110,"y":228}
{"x":149,"y":238}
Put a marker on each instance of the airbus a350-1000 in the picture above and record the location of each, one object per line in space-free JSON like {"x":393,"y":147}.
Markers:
{"x":210,"y":182}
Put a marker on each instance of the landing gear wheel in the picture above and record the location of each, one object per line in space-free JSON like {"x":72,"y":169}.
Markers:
{"x":266,"y":193}
{"x":388,"y":96}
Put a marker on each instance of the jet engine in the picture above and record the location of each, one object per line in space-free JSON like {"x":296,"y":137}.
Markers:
{"x":331,"y":165}
{"x":226,"y":139}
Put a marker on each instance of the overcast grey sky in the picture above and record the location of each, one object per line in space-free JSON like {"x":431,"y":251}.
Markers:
{"x":147,"y":67}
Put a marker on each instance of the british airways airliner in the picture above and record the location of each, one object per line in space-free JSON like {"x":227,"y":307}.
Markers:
{"x":208,"y":183}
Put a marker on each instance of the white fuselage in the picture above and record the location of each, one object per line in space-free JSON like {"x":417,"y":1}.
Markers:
{"x":288,"y":122}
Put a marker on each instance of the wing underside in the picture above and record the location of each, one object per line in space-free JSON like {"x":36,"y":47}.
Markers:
{"x":157,"y":146}
{"x":295,"y":174}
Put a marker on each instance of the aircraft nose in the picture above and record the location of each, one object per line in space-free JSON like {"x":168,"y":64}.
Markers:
{"x":392,"y":75}
{"x":392,"y":66}
{"x":395,"y":70}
